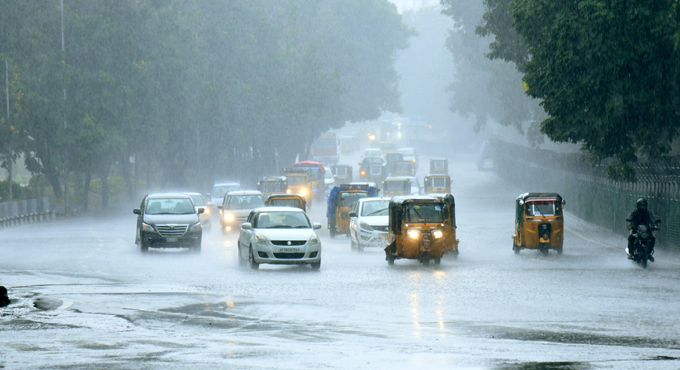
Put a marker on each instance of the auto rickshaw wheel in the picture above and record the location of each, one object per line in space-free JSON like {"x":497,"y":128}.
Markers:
{"x":437,"y":261}
{"x":332,"y":230}
{"x":390,"y":259}
{"x":545,"y":250}
{"x":516,"y":248}
{"x":352,"y":244}
{"x":559,"y":250}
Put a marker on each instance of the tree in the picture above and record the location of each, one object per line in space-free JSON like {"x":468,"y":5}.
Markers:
{"x":607,"y":72}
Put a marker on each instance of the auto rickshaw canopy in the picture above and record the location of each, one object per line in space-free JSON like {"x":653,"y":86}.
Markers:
{"x":341,"y":170}
{"x":287,"y":200}
{"x":398,"y":183}
{"x":273,"y":184}
{"x":439,"y":166}
{"x":535,"y":204}
{"x":399,"y":204}
{"x":334,"y":198}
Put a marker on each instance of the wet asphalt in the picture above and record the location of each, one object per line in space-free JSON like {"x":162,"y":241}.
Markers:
{"x":83,"y":296}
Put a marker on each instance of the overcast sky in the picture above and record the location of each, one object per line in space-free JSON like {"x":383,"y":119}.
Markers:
{"x":413,"y":4}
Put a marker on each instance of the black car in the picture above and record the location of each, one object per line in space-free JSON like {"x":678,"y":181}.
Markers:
{"x":168,"y":221}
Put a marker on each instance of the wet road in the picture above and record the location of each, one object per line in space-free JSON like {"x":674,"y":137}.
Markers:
{"x":101,"y":304}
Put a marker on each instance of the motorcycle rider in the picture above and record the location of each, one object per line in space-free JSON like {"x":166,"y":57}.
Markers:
{"x":640,"y":216}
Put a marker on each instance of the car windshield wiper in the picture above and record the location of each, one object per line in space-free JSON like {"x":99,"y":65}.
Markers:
{"x":279,"y":227}
{"x":376,"y":212}
{"x":302,"y":227}
{"x":163,"y":213}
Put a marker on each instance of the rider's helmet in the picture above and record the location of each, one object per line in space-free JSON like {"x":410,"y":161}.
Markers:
{"x":642,"y":204}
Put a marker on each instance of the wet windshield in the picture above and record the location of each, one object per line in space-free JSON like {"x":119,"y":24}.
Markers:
{"x":541,"y":208}
{"x":438,"y":182}
{"x":341,"y":171}
{"x":170,"y":206}
{"x":397,"y":186}
{"x":219,"y":191}
{"x":273,"y":186}
{"x":429,"y":212}
{"x":244,"y":202}
{"x":285,"y":202}
{"x":282,"y":220}
{"x":374,"y":161}
{"x":375,"y":208}
{"x":297,"y":180}
{"x":350,"y":199}
{"x":198,"y":200}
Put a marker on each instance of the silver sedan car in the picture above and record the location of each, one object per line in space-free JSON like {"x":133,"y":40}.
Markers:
{"x":368,"y":223}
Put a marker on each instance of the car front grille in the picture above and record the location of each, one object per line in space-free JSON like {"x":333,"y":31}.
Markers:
{"x":172,"y":231}
{"x":292,"y":242}
{"x":289,"y":255}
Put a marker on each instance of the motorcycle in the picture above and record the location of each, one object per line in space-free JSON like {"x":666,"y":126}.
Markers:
{"x":642,"y":246}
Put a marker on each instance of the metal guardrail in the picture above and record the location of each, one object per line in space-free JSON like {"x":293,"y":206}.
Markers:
{"x":589,"y":193}
{"x":23,"y":211}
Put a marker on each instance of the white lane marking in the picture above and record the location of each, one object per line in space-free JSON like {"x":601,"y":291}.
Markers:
{"x":604,"y":245}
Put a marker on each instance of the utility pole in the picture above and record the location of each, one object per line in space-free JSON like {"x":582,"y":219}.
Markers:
{"x":63,"y":107}
{"x":11,"y":157}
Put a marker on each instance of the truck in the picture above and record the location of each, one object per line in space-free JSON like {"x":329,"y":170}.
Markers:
{"x":325,"y":149}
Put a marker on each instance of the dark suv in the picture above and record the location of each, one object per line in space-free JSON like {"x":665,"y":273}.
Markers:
{"x":168,"y":221}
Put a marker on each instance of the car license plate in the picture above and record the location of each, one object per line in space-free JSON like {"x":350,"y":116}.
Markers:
{"x":289,"y":250}
{"x":171,"y":240}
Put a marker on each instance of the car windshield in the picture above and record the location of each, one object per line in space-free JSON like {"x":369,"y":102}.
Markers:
{"x":427,"y":212}
{"x":273,"y":186}
{"x":350,"y":199}
{"x":297,"y":180}
{"x":285,"y":202}
{"x":198,"y":200}
{"x":405,"y":167}
{"x":438,"y":182}
{"x":397,"y":185}
{"x":219,"y":191}
{"x":282,"y":220}
{"x":375,"y":208}
{"x":170,"y":206}
{"x":244,"y":201}
{"x":541,"y":208}
{"x":375,"y":161}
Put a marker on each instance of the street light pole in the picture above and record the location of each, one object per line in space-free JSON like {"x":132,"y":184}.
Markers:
{"x":63,"y":108}
{"x":11,"y":157}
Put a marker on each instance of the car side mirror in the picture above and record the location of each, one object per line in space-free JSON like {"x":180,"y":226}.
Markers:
{"x":246,"y":226}
{"x":316,"y":226}
{"x":629,"y":220}
{"x":137,"y":211}
{"x":352,"y":214}
{"x":201,"y":210}
{"x":563,"y":202}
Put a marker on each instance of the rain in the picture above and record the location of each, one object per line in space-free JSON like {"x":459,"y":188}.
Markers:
{"x":341,"y":184}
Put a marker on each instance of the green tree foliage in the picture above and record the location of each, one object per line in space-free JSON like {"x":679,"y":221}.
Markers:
{"x":488,"y":88}
{"x":180,"y":93}
{"x":607,"y":72}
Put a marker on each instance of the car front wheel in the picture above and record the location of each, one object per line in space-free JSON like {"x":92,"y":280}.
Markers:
{"x":316,"y":266}
{"x":251,"y":260}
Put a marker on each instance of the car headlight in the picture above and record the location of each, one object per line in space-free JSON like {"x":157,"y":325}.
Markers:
{"x":206,"y":211}
{"x":414,"y":159}
{"x":195,"y":227}
{"x":303,"y":192}
{"x":413,"y":234}
{"x":314,"y":240}
{"x":363,"y":173}
{"x":437,"y":234}
{"x":228,"y":217}
{"x":260,"y":239}
{"x":147,"y":227}
{"x":365,"y":226}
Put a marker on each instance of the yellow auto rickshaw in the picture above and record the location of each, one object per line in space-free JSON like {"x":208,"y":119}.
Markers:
{"x":298,"y":183}
{"x":287,"y":200}
{"x":393,"y":186}
{"x":403,"y":168}
{"x":272,"y":185}
{"x":341,"y":201}
{"x":437,"y":184}
{"x":539,"y":222}
{"x":439,"y":166}
{"x":421,"y":227}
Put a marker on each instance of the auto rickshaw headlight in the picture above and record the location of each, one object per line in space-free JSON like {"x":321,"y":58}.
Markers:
{"x":303,"y":192}
{"x":228,"y":217}
{"x":363,"y":173}
{"x":288,"y":191}
{"x":437,"y":234}
{"x":413,"y":234}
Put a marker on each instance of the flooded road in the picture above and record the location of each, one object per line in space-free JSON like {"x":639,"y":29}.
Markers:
{"x":83,"y":296}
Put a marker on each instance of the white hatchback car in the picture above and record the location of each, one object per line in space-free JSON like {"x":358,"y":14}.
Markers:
{"x":368,"y":222}
{"x":279,"y":235}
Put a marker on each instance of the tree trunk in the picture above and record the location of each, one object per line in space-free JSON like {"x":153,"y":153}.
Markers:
{"x":127,"y":177}
{"x":86,"y":190}
{"x":105,"y":186}
{"x":53,"y":178}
